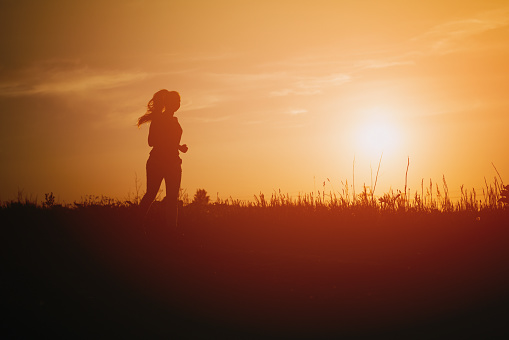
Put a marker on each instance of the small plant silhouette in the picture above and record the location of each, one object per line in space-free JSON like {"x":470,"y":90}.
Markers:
{"x":505,"y":194}
{"x":49,"y":200}
{"x":201,"y":198}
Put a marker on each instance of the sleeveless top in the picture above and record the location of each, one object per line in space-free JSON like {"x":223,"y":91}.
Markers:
{"x":164,"y":137}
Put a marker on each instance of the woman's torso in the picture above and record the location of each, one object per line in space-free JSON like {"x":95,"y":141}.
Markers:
{"x":164,"y":136}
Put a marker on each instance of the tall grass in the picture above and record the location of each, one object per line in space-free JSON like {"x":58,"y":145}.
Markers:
{"x":435,"y":198}
{"x":430,"y":198}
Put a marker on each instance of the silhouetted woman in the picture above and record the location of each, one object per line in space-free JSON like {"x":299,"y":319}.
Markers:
{"x":164,"y":161}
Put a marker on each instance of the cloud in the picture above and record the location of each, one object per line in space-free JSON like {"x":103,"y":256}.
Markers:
{"x":312,"y":85}
{"x":322,"y":82}
{"x":84,"y":82}
{"x":211,"y":120}
{"x":464,"y":35}
{"x":201,"y":100}
{"x":289,"y":91}
{"x":247,"y":80}
{"x":295,"y":112}
{"x":62,"y":77}
{"x":451,"y":37}
{"x":254,"y":122}
{"x":277,"y":84}
{"x":378,"y":64}
{"x":179,"y":58}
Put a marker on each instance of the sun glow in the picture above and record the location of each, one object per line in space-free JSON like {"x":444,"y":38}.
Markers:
{"x":377,"y":133}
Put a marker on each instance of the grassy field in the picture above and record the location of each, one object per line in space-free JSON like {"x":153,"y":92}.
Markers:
{"x":316,"y":266}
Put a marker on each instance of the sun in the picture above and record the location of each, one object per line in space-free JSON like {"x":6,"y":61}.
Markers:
{"x":377,"y":132}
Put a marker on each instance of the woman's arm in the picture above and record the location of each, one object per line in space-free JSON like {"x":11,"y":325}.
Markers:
{"x":151,"y":134}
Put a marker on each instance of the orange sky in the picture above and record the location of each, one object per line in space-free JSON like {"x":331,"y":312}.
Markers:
{"x":276,"y":94}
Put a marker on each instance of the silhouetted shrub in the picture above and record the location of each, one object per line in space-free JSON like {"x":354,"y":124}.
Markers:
{"x":201,"y":198}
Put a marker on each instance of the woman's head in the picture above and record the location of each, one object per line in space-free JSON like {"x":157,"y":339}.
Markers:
{"x":162,"y":101}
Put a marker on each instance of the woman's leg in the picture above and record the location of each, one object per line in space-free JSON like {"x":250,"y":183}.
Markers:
{"x":154,"y":178}
{"x":172,"y":180}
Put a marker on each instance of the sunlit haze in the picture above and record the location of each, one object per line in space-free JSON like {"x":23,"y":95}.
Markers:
{"x":276,"y":95}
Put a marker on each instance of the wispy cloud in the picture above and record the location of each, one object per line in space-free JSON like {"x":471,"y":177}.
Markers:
{"x":446,"y":38}
{"x":286,"y":125}
{"x":178,"y":58}
{"x":200,"y":101}
{"x":247,"y":80}
{"x":293,"y":91}
{"x":84,"y":82}
{"x":295,"y":112}
{"x":322,"y":82}
{"x":254,"y":122}
{"x":452,"y":36}
{"x":207,"y":120}
{"x":276,"y":84}
{"x":62,"y":78}
{"x":312,"y":85}
{"x":378,"y":64}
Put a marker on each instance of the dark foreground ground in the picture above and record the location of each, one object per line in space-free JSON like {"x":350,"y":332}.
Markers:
{"x":90,"y":273}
